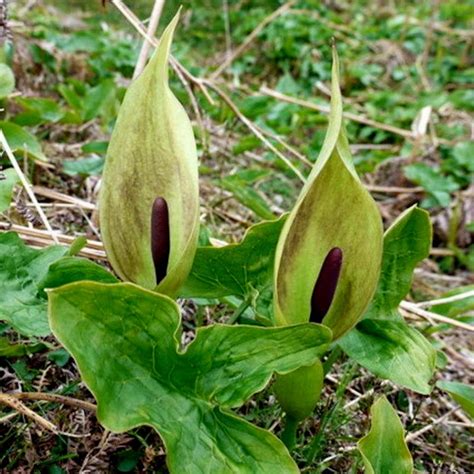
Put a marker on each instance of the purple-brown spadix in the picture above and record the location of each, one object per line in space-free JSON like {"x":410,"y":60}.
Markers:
{"x":149,"y":203}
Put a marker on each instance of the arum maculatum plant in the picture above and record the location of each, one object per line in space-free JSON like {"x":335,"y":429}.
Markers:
{"x":328,"y":257}
{"x":149,"y":205}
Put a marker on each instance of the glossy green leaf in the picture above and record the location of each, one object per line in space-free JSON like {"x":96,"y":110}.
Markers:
{"x":126,"y":342}
{"x":21,"y":270}
{"x":6,"y":188}
{"x":461,"y":393}
{"x":384,"y":449}
{"x":22,"y":141}
{"x":152,"y":154}
{"x":71,"y":269}
{"x":383,"y":342}
{"x":7,"y":81}
{"x":392,"y":350}
{"x":25,"y":273}
{"x":333,"y":210}
{"x":244,"y":270}
{"x":235,"y":269}
{"x":406,"y":243}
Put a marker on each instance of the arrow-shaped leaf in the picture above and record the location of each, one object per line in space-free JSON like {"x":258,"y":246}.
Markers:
{"x":126,"y":343}
{"x":244,"y":269}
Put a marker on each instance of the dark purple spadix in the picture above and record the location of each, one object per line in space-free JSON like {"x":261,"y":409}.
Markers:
{"x":325,"y":287}
{"x":160,"y":237}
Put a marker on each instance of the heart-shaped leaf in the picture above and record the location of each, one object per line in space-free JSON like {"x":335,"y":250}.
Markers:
{"x":333,"y":211}
{"x":383,"y":342}
{"x":126,"y":343}
{"x":152,"y":154}
{"x":384,"y":449}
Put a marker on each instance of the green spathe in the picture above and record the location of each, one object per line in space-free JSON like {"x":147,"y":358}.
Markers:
{"x":152,"y":153}
{"x":126,"y":343}
{"x":333,"y":210}
{"x":384,"y":449}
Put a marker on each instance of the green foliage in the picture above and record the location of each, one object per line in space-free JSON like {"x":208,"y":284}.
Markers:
{"x":25,"y":273}
{"x":89,"y":166}
{"x":21,"y":272}
{"x":456,"y":308}
{"x":38,"y":110}
{"x":7,"y":349}
{"x":241,"y":185}
{"x":437,"y":185}
{"x":406,"y":243}
{"x":6,"y":187}
{"x":383,"y":342}
{"x":7,"y":81}
{"x":384,"y":449}
{"x":244,"y":269}
{"x":461,"y":393}
{"x":130,"y":359}
{"x":22,"y":141}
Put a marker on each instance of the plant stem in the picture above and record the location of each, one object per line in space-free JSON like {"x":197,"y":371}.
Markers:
{"x":332,"y":358}
{"x":288,"y":435}
{"x":239,"y":312}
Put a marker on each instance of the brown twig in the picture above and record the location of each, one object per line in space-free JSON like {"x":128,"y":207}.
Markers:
{"x":253,"y":128}
{"x":325,"y":109}
{"x":26,"y":185}
{"x":12,"y":402}
{"x":39,"y":238}
{"x":152,"y":26}
{"x":433,"y":317}
{"x":54,"y":398}
{"x":411,"y":436}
